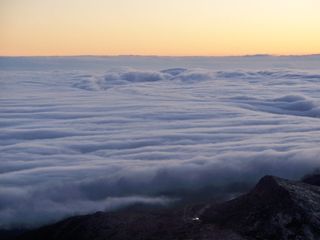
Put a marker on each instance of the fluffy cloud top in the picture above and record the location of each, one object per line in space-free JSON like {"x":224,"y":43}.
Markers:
{"x":77,"y":141}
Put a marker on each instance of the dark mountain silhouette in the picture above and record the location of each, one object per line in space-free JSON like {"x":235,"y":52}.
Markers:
{"x":313,"y":179}
{"x":276,"y":209}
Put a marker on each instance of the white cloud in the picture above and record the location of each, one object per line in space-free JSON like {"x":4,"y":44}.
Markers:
{"x":87,"y":136}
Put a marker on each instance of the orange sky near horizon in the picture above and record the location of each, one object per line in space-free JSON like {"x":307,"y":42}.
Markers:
{"x":154,"y":27}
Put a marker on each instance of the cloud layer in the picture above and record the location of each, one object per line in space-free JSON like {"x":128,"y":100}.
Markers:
{"x":77,"y":141}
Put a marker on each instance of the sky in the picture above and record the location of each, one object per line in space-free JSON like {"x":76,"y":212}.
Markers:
{"x":153,"y":27}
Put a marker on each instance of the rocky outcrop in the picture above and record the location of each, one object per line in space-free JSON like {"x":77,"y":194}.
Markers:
{"x":313,"y":179}
{"x":124,"y":225}
{"x":275,"y":209}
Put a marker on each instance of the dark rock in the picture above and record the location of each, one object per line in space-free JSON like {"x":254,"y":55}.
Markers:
{"x":124,"y":225}
{"x":10,"y":234}
{"x":313,"y":179}
{"x":276,"y":209}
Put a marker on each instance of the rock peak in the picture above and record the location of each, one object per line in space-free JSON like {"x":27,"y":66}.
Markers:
{"x":313,"y":179}
{"x":275,"y":208}
{"x":268,"y":181}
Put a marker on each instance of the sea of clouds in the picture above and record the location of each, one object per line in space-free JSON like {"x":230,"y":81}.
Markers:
{"x":82,"y":134}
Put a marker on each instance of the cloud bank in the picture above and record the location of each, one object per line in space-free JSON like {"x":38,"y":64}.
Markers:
{"x":78,"y":141}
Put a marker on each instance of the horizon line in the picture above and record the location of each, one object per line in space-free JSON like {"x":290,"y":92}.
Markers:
{"x":164,"y":56}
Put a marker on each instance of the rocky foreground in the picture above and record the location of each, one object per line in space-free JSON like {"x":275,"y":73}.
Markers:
{"x":275,"y":209}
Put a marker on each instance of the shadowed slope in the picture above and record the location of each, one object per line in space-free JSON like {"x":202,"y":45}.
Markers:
{"x":275,"y":209}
